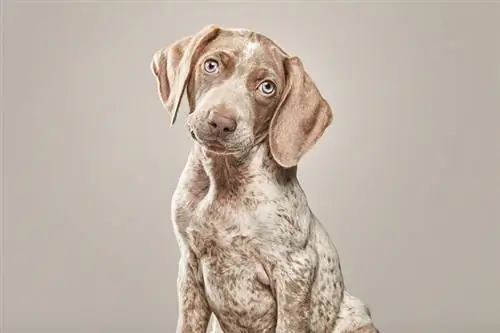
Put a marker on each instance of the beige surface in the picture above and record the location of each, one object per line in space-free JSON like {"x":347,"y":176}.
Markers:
{"x":406,"y":180}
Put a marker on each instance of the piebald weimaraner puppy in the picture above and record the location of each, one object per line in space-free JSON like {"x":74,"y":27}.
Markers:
{"x":254,"y":258}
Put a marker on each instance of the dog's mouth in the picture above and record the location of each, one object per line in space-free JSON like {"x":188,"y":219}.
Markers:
{"x":218,"y":145}
{"x":212,"y":144}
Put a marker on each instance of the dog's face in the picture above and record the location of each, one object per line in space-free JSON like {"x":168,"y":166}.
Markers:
{"x":235,"y":86}
{"x":243,"y":90}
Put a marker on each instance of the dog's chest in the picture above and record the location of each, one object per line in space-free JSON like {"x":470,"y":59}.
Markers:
{"x":230,"y":242}
{"x":230,"y":227}
{"x":237,"y":290}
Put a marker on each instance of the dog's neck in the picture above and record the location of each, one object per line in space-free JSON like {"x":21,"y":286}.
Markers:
{"x":229,"y":174}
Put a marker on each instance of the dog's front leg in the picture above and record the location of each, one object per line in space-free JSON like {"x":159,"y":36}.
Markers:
{"x":194,"y":313}
{"x":293,"y":276}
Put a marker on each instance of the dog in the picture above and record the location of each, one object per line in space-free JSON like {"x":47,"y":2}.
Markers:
{"x":254,"y":257}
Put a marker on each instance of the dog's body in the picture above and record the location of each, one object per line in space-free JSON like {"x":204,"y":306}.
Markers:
{"x":253,"y":255}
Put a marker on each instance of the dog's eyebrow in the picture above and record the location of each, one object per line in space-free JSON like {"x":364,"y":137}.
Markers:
{"x":219,"y":52}
{"x":261,"y":73}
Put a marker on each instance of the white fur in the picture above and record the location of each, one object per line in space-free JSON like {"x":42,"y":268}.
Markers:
{"x":250,"y":49}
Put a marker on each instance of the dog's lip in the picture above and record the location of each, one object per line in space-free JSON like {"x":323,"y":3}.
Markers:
{"x":206,"y":141}
{"x":212,"y":144}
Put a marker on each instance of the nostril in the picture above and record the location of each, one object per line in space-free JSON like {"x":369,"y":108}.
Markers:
{"x":221,"y":124}
{"x":229,"y":127}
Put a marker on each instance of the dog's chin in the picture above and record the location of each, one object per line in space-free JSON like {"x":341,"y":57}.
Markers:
{"x":221,"y":147}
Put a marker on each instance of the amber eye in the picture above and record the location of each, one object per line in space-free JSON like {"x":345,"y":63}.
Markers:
{"x":211,"y":66}
{"x":267,"y":87}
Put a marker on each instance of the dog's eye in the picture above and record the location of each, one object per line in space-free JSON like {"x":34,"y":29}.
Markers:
{"x":267,"y":87}
{"x":211,"y":66}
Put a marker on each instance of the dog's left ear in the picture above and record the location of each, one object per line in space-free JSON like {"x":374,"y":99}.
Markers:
{"x":172,"y":67}
{"x":301,"y":117}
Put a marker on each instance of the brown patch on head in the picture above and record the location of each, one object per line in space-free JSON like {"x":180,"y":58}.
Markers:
{"x":200,"y":82}
{"x":262,"y":104}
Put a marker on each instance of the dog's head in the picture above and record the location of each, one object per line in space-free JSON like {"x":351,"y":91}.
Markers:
{"x":243,"y":90}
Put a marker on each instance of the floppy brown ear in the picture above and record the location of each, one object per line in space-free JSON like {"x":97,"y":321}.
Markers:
{"x":173,"y":65}
{"x":300,"y":119}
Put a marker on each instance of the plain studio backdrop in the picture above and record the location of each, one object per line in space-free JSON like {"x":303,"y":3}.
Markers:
{"x":406,"y":180}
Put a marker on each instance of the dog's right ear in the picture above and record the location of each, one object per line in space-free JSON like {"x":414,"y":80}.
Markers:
{"x":172,"y":67}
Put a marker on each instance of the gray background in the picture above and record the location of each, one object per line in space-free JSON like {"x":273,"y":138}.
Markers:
{"x":406,"y":180}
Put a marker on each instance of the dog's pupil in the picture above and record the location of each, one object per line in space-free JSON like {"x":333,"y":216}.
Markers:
{"x":210,"y":65}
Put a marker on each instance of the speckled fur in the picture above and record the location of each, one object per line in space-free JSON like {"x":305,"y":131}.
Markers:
{"x":254,"y":258}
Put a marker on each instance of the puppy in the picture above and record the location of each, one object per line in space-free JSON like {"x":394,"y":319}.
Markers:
{"x":254,"y":257}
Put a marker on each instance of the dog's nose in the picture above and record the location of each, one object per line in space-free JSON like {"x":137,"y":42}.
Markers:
{"x":221,"y":124}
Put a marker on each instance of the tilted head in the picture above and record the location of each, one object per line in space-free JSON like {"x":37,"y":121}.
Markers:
{"x":243,"y":90}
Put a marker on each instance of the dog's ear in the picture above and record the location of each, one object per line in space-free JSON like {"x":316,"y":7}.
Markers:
{"x":301,"y":117}
{"x":173,"y":65}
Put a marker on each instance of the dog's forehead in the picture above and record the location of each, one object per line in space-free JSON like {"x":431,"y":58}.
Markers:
{"x":248,"y":46}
